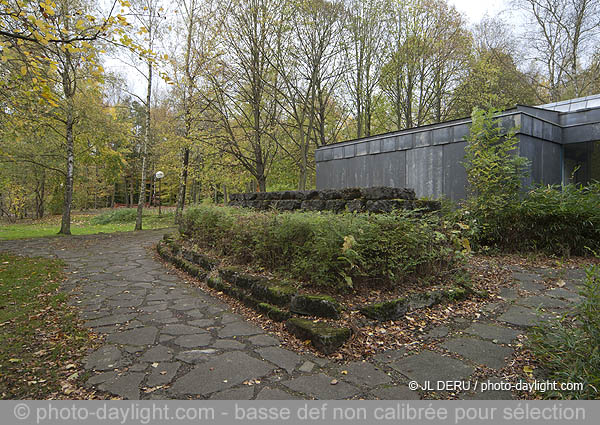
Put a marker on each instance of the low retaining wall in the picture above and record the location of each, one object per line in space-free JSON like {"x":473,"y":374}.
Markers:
{"x":372,"y":199}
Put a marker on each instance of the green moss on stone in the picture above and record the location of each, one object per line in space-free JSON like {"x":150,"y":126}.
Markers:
{"x":387,"y":310}
{"x":273,"y":312}
{"x":316,"y":305}
{"x":324,"y":338}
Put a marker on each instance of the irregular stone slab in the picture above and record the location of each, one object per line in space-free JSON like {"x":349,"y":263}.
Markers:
{"x":363,"y":373}
{"x":162,"y":374}
{"x":320,"y":387}
{"x":178,"y":329}
{"x":222,"y":372}
{"x":395,"y":392}
{"x":126,"y":303}
{"x":437,"y":332}
{"x":139,"y":336}
{"x":431,"y":366}
{"x":324,"y":338}
{"x":132,"y":349}
{"x":390,"y":356}
{"x":100,"y":378}
{"x":520,"y":316}
{"x":104,"y":358}
{"x":481,"y":352}
{"x":508,"y":294}
{"x":531,"y":286}
{"x":230,"y":318}
{"x":184,"y":305}
{"x":126,"y":386}
{"x":544,"y":302}
{"x":117,"y":319}
{"x":306,"y":367}
{"x":192,"y":341}
{"x":243,"y":393}
{"x":138,"y":367}
{"x":283,"y":358}
{"x":274,"y":394}
{"x":493,"y":332}
{"x":159,"y":353}
{"x":239,"y":329}
{"x":228,"y":344}
{"x":202,"y":323}
{"x":197,"y":314}
{"x":196,"y":356}
{"x":564,"y":294}
{"x":264,"y":340}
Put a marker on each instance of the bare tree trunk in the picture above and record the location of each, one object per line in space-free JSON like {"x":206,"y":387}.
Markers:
{"x":182,"y":185}
{"x":65,"y":225}
{"x":142,"y":199}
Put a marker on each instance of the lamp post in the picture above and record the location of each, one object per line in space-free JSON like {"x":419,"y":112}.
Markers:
{"x":159,"y":175}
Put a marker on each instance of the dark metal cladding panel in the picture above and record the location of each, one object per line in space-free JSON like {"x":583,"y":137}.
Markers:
{"x":389,"y":144}
{"x":461,"y":131}
{"x":338,"y":152}
{"x":406,"y":141}
{"x":389,"y":169}
{"x":547,"y":131}
{"x":319,"y":155}
{"x":531,"y":149}
{"x":423,"y":138}
{"x":323,"y":179}
{"x":327,"y":154}
{"x":349,"y":151}
{"x":551,"y":166}
{"x":538,"y":128}
{"x":455,"y":175}
{"x":526,"y":125}
{"x":375,"y":146}
{"x":581,"y":133}
{"x":442,"y":135}
{"x":424,"y":171}
{"x":362,"y":149}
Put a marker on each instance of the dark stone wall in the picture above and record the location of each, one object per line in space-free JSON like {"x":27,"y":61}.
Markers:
{"x":371,"y":199}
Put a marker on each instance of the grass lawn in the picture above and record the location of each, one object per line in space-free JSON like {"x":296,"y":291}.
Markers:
{"x":84,"y":224}
{"x":41,"y":340}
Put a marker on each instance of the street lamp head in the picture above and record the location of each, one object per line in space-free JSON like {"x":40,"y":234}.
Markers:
{"x":159,"y":175}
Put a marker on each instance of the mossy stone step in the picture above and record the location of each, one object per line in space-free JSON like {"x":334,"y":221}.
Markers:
{"x":316,"y":305}
{"x":324,"y":338}
{"x":200,"y":259}
{"x":270,"y":291}
{"x":397,"y":308}
{"x":273,"y":312}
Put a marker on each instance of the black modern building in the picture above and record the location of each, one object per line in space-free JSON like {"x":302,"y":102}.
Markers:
{"x":562,"y":141}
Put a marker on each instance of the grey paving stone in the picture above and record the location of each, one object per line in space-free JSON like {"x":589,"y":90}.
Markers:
{"x":222,"y":372}
{"x":364,"y":374}
{"x":110,"y":320}
{"x":274,"y":394}
{"x":243,"y":393}
{"x":239,"y":329}
{"x":202,"y":323}
{"x":481,"y":352}
{"x":494,"y":333}
{"x":395,"y":392}
{"x":104,"y":358}
{"x":437,"y":332}
{"x":162,"y":374}
{"x":431,"y":366}
{"x":389,"y":356}
{"x":320,"y":387}
{"x":545,"y":302}
{"x":196,"y":356}
{"x":228,"y":344}
{"x":178,"y":329}
{"x":126,"y":386}
{"x":132,"y":349}
{"x":283,"y":358}
{"x":139,"y":336}
{"x":264,"y":340}
{"x":306,"y":367}
{"x":230,"y":318}
{"x":193,"y":341}
{"x":508,"y":294}
{"x":520,"y":316}
{"x":138,"y":367}
{"x":101,"y":377}
{"x":158,"y":353}
{"x":564,"y":294}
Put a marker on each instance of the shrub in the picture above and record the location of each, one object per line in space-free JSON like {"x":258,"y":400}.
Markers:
{"x":555,"y":220}
{"x":124,"y":215}
{"x":325,"y":248}
{"x":569,"y":347}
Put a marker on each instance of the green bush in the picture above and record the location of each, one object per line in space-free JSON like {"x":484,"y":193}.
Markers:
{"x":569,"y":347}
{"x":325,"y":248}
{"x":554,"y":220}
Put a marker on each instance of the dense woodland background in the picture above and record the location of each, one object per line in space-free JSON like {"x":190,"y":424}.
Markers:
{"x":234,"y":95}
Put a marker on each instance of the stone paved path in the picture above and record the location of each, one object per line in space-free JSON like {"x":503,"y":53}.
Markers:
{"x":167,"y":339}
